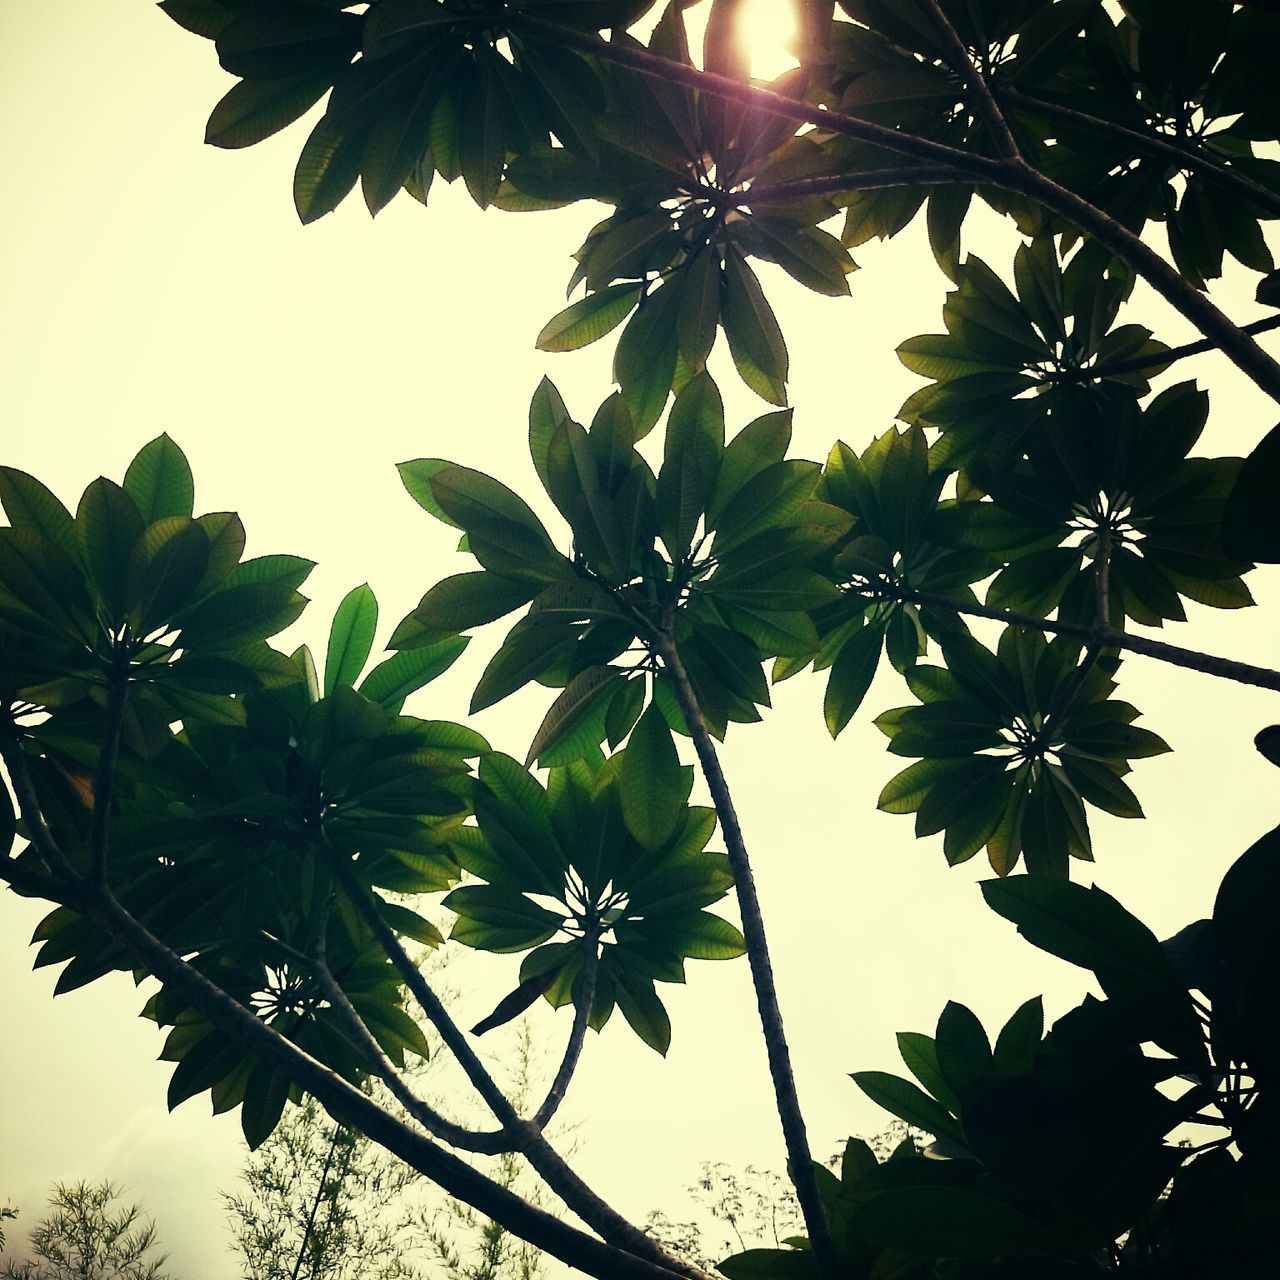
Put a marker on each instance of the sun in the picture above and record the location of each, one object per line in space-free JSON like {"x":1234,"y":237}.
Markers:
{"x":767,"y":29}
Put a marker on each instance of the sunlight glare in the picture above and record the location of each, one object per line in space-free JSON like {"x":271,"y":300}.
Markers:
{"x":768,"y":28}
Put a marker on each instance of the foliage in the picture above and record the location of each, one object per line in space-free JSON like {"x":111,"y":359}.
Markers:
{"x":84,"y":1238}
{"x":202,"y":807}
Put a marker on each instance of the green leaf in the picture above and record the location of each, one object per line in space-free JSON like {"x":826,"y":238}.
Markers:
{"x":851,"y":676}
{"x":394,"y":679}
{"x":946,"y":1222}
{"x":569,"y":711}
{"x":908,"y":1102}
{"x":109,"y":524}
{"x":350,"y":638}
{"x":255,"y":109}
{"x":649,"y":789}
{"x":31,"y":506}
{"x":530,"y":649}
{"x":1086,"y":927}
{"x":920,"y":1053}
{"x":588,"y":319}
{"x":644,"y":1011}
{"x":755,"y":341}
{"x":493,"y":919}
{"x":328,"y":167}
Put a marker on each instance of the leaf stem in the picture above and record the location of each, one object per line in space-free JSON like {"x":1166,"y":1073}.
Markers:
{"x":799,"y":1158}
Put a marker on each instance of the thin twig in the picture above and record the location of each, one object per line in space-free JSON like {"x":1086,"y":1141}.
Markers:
{"x":799,"y":1158}
{"x":1109,"y":369}
{"x":985,"y":105}
{"x":1112,"y":637}
{"x":1184,"y":157}
{"x":577,"y":1036}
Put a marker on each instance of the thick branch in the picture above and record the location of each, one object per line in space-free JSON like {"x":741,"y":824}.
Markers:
{"x":577,"y":1036}
{"x":1184,"y":157}
{"x":1111,"y":637}
{"x":836,"y":184}
{"x":799,"y":1159}
{"x":985,"y":106}
{"x":594,"y":1211}
{"x":105,"y":779}
{"x":1136,"y":364}
{"x":347,"y":1104}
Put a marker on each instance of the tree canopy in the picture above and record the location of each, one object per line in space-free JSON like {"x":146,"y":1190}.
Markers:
{"x":260,"y":831}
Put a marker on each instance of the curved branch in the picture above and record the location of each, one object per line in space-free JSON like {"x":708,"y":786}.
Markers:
{"x":487,"y":1143}
{"x":986,"y":107}
{"x":1183,"y":157}
{"x":589,"y":1206}
{"x":572,"y":1050}
{"x":799,"y":1158}
{"x":347,"y":1104}
{"x":1111,"y":637}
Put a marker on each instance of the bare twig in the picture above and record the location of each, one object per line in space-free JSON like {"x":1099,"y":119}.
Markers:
{"x":836,"y":184}
{"x":799,"y":1158}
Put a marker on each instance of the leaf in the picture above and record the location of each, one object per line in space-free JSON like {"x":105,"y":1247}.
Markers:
{"x":327,"y":169}
{"x":908,"y":1102}
{"x":393,"y":680}
{"x":755,"y":341}
{"x":530,"y":649}
{"x":1251,"y":517}
{"x":255,"y":109}
{"x":588,"y":319}
{"x":649,"y":788}
{"x":851,"y":676}
{"x":30,"y":505}
{"x":582,"y":693}
{"x":1086,"y":927}
{"x":947,"y":1222}
{"x":109,"y":524}
{"x":513,"y":1005}
{"x":350,"y":638}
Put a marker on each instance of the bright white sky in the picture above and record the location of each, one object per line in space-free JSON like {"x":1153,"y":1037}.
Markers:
{"x":154,"y":284}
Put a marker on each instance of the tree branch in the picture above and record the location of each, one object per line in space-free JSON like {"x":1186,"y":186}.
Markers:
{"x":105,"y":779}
{"x":347,"y":1104}
{"x":985,"y":105}
{"x":15,"y":760}
{"x":1010,"y":174}
{"x":867,"y":180}
{"x":589,"y":1206}
{"x":488,"y":1143}
{"x":1184,"y":157}
{"x":573,"y":1050}
{"x":1136,"y":364}
{"x":799,"y":1158}
{"x":1108,"y":636}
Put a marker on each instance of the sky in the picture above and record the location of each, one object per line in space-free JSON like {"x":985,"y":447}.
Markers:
{"x":154,"y":284}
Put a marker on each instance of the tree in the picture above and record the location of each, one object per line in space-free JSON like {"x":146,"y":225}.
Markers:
{"x":82,"y":1238}
{"x":1035,"y":461}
